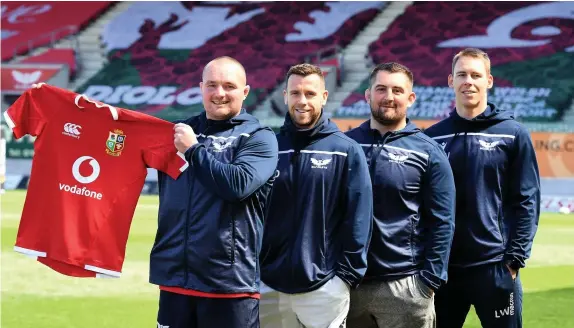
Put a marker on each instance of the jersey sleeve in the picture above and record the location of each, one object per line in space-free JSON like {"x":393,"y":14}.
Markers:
{"x":160,"y":152}
{"x":24,"y":116}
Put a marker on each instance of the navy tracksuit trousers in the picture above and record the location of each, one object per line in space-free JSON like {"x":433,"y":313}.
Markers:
{"x":496,"y":297}
{"x":183,"y":311}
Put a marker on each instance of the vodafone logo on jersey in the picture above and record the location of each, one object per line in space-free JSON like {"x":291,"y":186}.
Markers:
{"x":83,"y":191}
{"x":76,"y":170}
{"x":72,"y":130}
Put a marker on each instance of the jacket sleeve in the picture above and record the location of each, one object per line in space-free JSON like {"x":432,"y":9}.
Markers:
{"x":255,"y":162}
{"x":524,"y":195}
{"x":438,"y":211}
{"x":358,"y":223}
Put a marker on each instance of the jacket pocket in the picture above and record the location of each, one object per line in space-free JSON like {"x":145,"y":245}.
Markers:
{"x":502,"y":277}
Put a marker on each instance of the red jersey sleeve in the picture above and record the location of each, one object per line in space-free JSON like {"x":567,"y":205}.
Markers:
{"x":161,"y":153}
{"x":24,"y":116}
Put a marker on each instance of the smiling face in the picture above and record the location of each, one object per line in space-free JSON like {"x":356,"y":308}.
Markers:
{"x":471,"y":80}
{"x":223,"y":88}
{"x":389,"y":97}
{"x":305,"y":97}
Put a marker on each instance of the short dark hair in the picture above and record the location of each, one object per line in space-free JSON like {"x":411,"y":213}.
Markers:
{"x":474,"y":53}
{"x":390,"y":67}
{"x":304,"y":70}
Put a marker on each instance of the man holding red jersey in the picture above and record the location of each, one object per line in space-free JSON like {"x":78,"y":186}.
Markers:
{"x":205,"y":256}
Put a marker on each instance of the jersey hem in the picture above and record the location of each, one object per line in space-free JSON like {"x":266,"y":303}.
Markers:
{"x":35,"y":254}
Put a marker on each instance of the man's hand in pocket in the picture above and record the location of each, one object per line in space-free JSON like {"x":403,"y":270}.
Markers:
{"x":512,"y":272}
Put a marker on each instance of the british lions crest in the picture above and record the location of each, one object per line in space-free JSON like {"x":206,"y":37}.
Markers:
{"x":115,"y":142}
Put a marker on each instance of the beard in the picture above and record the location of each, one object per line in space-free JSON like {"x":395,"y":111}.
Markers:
{"x":387,"y":116}
{"x":305,"y":121}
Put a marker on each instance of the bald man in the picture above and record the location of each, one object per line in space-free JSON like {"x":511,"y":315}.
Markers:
{"x":205,"y":255}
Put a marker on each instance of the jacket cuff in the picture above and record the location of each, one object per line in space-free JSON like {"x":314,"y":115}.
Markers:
{"x":348,"y":278}
{"x":513,"y":264}
{"x":514,"y":261}
{"x":427,"y":282}
{"x":190,"y":151}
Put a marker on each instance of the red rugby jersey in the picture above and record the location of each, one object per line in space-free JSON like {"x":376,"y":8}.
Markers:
{"x":89,"y":166}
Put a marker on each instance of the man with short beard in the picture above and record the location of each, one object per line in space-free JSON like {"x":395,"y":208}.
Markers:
{"x":319,"y":222}
{"x":497,"y":200}
{"x":413,"y":193}
{"x":206,"y":250}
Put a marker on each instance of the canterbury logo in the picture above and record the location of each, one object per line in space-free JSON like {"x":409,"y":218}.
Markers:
{"x":72,"y":130}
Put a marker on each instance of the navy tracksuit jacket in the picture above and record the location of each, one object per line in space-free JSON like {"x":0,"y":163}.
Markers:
{"x":210,"y":220}
{"x":413,"y":190}
{"x":497,"y":187}
{"x":320,"y":215}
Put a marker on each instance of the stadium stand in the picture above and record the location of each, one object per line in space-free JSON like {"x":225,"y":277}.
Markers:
{"x":530,"y":45}
{"x":157,"y":50}
{"x":28,"y":25}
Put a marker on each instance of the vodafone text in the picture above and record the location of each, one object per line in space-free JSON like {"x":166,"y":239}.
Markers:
{"x":83,"y":191}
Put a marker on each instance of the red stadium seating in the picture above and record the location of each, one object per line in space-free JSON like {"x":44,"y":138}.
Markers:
{"x":165,"y":45}
{"x":27,"y":25}
{"x":531,"y":46}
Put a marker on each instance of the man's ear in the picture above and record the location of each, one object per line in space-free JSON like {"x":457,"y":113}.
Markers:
{"x":325,"y":97}
{"x":368,"y":96}
{"x":246,"y":91}
{"x":412,"y":99}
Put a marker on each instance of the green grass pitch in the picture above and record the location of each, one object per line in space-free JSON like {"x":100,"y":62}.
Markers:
{"x":34,"y":296}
